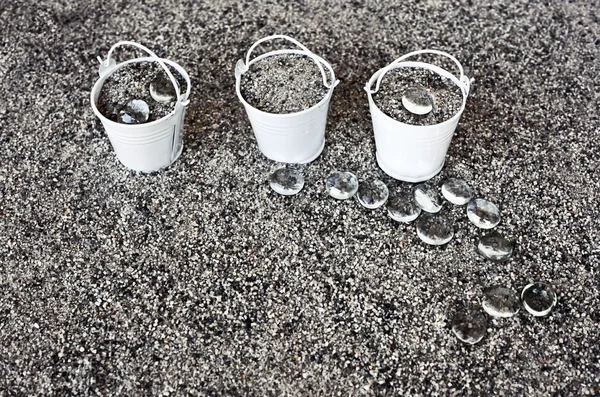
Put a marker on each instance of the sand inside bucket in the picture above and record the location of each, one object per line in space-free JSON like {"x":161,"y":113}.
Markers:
{"x":283,"y":84}
{"x":132,"y":81}
{"x":447,"y":96}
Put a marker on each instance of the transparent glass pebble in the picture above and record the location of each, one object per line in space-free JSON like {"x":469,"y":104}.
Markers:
{"x":483,"y":213}
{"x":135,"y":112}
{"x":372,"y":194}
{"x":434,"y":229}
{"x":341,"y":185}
{"x":495,"y":247}
{"x":240,"y":68}
{"x":539,"y":299}
{"x":457,"y":191}
{"x":469,"y":325}
{"x":417,"y":100}
{"x":427,"y":197}
{"x":162,"y":90}
{"x":286,"y":181}
{"x":500,"y":302}
{"x":403,"y":208}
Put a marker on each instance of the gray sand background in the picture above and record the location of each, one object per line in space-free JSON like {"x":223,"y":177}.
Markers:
{"x":200,"y":280}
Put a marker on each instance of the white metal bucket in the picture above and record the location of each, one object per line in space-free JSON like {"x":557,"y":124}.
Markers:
{"x":150,"y":146}
{"x":293,"y":137}
{"x":407,"y":152}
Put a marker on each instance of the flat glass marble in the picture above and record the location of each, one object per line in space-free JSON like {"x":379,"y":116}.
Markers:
{"x":500,"y":302}
{"x":417,"y":100}
{"x":434,"y":229}
{"x":427,"y":197}
{"x":495,"y":247}
{"x":286,"y":181}
{"x":341,"y":185}
{"x":469,"y":325}
{"x":162,"y":90}
{"x":539,"y":299}
{"x":483,"y":213}
{"x":135,"y":112}
{"x":457,"y":191}
{"x":372,"y":194}
{"x":403,"y":208}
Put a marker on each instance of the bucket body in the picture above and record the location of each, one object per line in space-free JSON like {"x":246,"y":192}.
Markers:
{"x":408,"y":152}
{"x":150,"y":146}
{"x":298,"y":138}
{"x":293,"y":137}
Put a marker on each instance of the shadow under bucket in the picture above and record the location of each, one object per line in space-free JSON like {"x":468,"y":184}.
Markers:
{"x":149,"y":146}
{"x":407,"y":152}
{"x":292,"y":137}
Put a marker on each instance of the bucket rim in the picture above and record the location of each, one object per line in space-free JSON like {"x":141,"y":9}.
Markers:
{"x":238,"y":82}
{"x":418,"y":65}
{"x":100,"y":82}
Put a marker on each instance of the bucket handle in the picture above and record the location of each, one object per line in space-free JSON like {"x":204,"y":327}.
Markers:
{"x":318,"y":60}
{"x":108,"y":63}
{"x":463,"y":79}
